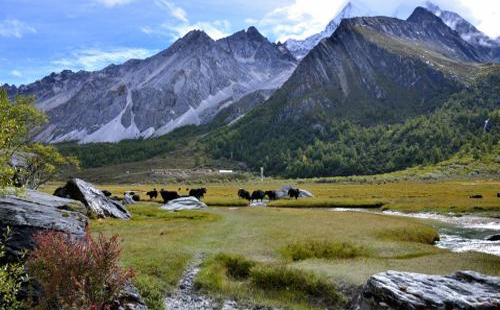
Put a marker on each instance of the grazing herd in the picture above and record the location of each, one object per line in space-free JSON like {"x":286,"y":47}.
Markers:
{"x":271,"y":195}
{"x":199,"y":193}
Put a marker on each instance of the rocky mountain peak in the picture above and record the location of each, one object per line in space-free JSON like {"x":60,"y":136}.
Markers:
{"x":421,"y":15}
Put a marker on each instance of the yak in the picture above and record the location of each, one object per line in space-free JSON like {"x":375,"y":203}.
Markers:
{"x":152,"y":194}
{"x":244,"y":194}
{"x":294,"y":193}
{"x":107,"y":193}
{"x":198,"y":193}
{"x":271,"y":195}
{"x":257,"y":195}
{"x":168,"y":195}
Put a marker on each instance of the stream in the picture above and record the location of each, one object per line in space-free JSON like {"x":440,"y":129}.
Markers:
{"x":460,"y":234}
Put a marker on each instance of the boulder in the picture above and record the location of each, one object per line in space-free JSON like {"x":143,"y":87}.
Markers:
{"x":127,"y":200}
{"x":283,"y":192}
{"x":96,"y":202}
{"x":129,"y":299}
{"x":184,"y":203}
{"x":31,"y":211}
{"x":405,"y":290}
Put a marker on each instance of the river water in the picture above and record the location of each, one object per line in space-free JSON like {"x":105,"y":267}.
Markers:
{"x":460,"y":234}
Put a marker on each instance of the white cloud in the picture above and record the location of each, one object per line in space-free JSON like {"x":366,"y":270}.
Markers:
{"x":487,"y":15}
{"x":112,"y":3}
{"x":299,"y":19}
{"x":216,"y":29}
{"x":14,"y":28}
{"x":95,"y":59}
{"x":174,"y":10}
{"x":16,"y":73}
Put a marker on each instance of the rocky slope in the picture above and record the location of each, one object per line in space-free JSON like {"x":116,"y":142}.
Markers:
{"x":300,"y":48}
{"x":186,"y":84}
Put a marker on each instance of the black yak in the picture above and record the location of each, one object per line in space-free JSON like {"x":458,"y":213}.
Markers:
{"x":271,"y":195}
{"x":244,"y":194}
{"x":198,"y":193}
{"x":152,"y":194}
{"x":106,"y":193}
{"x":168,"y":195}
{"x":294,"y":193}
{"x":257,"y":195}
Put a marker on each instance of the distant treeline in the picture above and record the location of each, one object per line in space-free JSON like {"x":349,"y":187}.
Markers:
{"x":341,"y":147}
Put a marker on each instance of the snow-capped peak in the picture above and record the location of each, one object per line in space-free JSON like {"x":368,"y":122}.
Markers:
{"x":300,"y":48}
{"x":466,"y":30}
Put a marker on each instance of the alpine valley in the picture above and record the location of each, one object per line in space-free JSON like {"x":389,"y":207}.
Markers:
{"x":369,"y":94}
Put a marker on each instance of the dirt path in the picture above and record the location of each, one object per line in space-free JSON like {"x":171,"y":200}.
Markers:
{"x":185,"y":296}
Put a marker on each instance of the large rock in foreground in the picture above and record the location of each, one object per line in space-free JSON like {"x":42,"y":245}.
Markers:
{"x":184,"y":203}
{"x":31,"y":212}
{"x":97,"y":203}
{"x":404,"y":290}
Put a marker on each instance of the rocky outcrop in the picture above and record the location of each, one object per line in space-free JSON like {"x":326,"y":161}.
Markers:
{"x":97,"y":203}
{"x":129,"y":299}
{"x":184,"y":203}
{"x":30,"y":212}
{"x":404,"y":290}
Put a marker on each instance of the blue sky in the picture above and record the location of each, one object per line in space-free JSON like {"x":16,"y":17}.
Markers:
{"x":38,"y":37}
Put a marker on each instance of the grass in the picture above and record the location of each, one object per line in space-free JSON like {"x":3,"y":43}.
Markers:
{"x":425,"y":235}
{"x":322,"y":249}
{"x":345,"y":247}
{"x":237,"y":276}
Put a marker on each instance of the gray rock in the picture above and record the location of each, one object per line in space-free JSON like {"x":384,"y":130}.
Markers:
{"x":404,"y":290}
{"x":130,"y":299}
{"x":283,"y":192}
{"x":184,"y":203}
{"x":127,"y":200}
{"x":31,"y":212}
{"x":96,"y":202}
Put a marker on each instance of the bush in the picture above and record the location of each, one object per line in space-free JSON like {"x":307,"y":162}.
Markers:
{"x":237,"y":267}
{"x":11,"y":279}
{"x":322,"y":249}
{"x":298,"y":284}
{"x":420,"y":234}
{"x":77,"y":273}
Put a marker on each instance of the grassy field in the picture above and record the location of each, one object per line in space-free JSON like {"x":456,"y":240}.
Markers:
{"x":441,"y":197}
{"x":319,"y":250}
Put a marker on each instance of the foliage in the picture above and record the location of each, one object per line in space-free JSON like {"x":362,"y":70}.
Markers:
{"x":237,"y":266}
{"x":37,"y":163}
{"x":322,"y":249}
{"x":11,"y":279}
{"x":299,"y":284}
{"x":424,"y":234}
{"x":316,"y":146}
{"x":77,"y":273}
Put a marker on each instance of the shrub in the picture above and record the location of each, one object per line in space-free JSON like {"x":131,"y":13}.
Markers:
{"x":298,"y":284}
{"x":322,"y":249}
{"x":11,"y":279}
{"x":77,"y":273}
{"x":237,"y":267}
{"x":420,"y":234}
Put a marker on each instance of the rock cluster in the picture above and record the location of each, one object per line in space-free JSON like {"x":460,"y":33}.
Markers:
{"x":405,"y":290}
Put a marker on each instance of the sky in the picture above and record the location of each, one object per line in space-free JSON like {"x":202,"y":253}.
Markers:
{"x":38,"y":37}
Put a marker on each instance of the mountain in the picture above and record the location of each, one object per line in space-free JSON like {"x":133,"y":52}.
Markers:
{"x":300,"y":48}
{"x":188,"y":83}
{"x":371,"y":75}
{"x":467,"y":31}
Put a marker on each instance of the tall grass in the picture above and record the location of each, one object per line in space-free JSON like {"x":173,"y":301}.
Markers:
{"x":421,"y":234}
{"x":322,"y":249}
